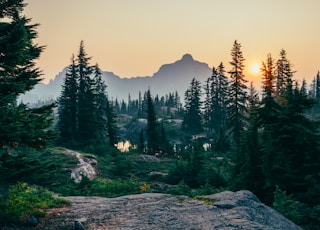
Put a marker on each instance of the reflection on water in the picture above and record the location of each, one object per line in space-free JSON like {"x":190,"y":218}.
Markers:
{"x":124,"y":146}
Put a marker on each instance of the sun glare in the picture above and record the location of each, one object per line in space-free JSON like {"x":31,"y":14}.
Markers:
{"x":255,"y":68}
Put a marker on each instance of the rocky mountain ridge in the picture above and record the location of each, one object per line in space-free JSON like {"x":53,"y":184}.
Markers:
{"x":169,"y":78}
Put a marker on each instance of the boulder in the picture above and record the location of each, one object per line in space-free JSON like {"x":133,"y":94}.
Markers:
{"x":225,"y":210}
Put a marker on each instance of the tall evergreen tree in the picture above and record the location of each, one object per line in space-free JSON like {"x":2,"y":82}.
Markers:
{"x":283,"y":76}
{"x":247,"y":172}
{"x":219,"y":92}
{"x":267,"y":116}
{"x":111,"y":124}
{"x":100,"y":104}
{"x":152,"y":127}
{"x":86,"y":124}
{"x":207,"y":105}
{"x":18,"y":74}
{"x":237,"y":98}
{"x":192,"y":120}
{"x":223,"y":84}
{"x":68,"y":110}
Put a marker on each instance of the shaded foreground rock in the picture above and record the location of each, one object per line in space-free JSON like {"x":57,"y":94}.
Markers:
{"x":226,"y":210}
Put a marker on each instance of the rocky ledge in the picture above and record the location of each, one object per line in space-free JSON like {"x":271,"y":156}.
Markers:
{"x":225,"y":210}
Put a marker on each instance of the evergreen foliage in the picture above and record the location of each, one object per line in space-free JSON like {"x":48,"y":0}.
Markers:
{"x":237,"y":97}
{"x":215,"y":105}
{"x":85,"y":115}
{"x":19,"y":124}
{"x":281,"y":144}
{"x":111,"y":124}
{"x":68,"y":110}
{"x":192,"y":121}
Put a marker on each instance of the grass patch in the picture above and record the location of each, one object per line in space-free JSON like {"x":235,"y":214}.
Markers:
{"x":23,"y":201}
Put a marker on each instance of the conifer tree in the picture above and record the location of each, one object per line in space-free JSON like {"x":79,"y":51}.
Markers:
{"x":68,"y":110}
{"x":237,"y":97}
{"x":18,"y":74}
{"x":283,"y":76}
{"x":111,"y":124}
{"x":86,"y":118}
{"x":141,"y":146}
{"x":192,"y":121}
{"x":267,"y":116}
{"x":140,"y":107}
{"x":247,"y":172}
{"x":152,"y":126}
{"x":164,"y":143}
{"x":218,"y":99}
{"x":100,"y":104}
{"x":207,"y":105}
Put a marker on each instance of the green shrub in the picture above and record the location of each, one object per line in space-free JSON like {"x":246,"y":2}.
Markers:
{"x":206,"y":189}
{"x":45,"y":167}
{"x":23,"y":201}
{"x":289,"y":207}
{"x":181,"y":189}
{"x":102,"y":187}
{"x":114,"y":188}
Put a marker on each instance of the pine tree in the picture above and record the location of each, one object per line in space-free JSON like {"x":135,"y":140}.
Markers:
{"x":123,"y":107}
{"x":100,"y":104}
{"x":111,"y":124}
{"x":247,"y":172}
{"x":18,"y":74}
{"x":218,"y":100}
{"x":165,"y":145}
{"x":140,"y":107}
{"x":86,"y":118}
{"x":267,"y":115}
{"x":283,"y":75}
{"x":207,"y":106}
{"x":152,"y":127}
{"x":141,"y":146}
{"x":237,"y":97}
{"x":68,"y":110}
{"x":192,"y":121}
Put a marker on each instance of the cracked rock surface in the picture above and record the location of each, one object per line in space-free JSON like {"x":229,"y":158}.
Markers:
{"x":225,"y":210}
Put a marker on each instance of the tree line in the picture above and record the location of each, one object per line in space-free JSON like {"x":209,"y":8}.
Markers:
{"x":168,"y":105}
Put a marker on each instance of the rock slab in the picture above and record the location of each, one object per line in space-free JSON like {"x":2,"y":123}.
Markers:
{"x":226,"y":210}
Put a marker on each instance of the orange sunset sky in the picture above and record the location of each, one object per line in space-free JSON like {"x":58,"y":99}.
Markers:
{"x":135,"y":37}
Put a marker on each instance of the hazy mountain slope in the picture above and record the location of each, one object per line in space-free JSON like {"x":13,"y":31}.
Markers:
{"x":169,"y":78}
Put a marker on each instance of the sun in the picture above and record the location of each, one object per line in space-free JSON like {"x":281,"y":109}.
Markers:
{"x":255,"y":68}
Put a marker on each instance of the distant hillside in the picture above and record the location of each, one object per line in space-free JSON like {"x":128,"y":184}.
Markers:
{"x":169,"y":78}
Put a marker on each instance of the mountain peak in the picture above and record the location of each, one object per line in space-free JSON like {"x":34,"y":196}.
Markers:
{"x":187,"y":57}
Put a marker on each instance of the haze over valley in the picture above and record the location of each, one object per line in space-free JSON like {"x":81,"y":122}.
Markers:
{"x":169,"y":78}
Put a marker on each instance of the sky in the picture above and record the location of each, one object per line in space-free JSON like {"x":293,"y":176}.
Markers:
{"x":135,"y":37}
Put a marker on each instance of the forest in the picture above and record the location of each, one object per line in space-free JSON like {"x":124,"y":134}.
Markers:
{"x":222,"y":134}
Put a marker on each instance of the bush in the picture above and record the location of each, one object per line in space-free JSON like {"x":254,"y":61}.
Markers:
{"x":180,"y":189}
{"x":23,"y":201}
{"x":289,"y":207}
{"x":43,"y":167}
{"x":102,"y":187}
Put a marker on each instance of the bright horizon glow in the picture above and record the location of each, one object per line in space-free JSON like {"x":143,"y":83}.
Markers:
{"x":255,"y":68}
{"x":134,"y":38}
